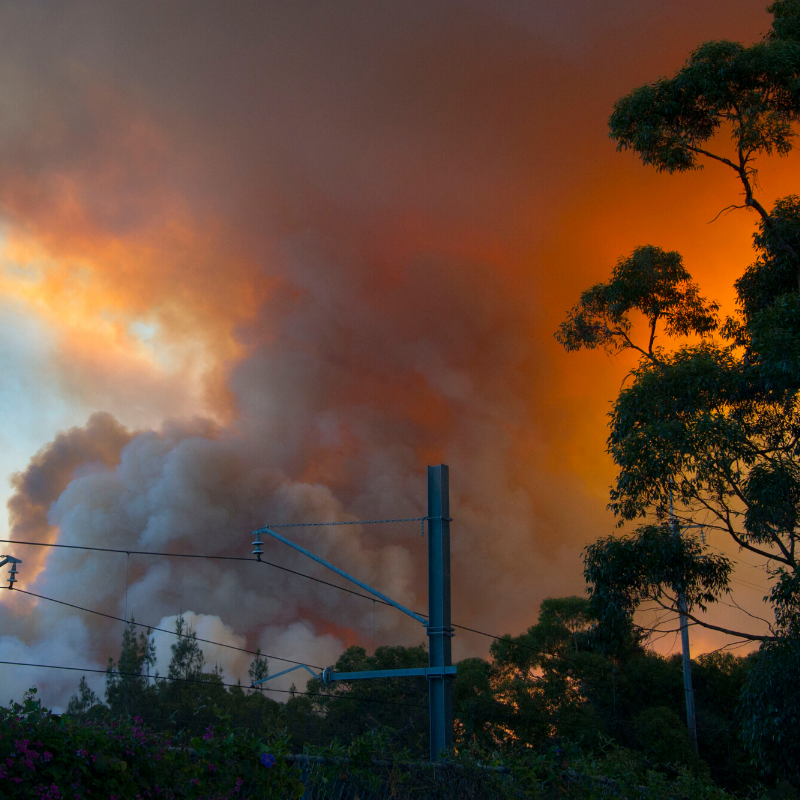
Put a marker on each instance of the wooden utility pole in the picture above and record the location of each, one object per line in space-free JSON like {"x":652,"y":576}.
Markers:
{"x":691,"y":721}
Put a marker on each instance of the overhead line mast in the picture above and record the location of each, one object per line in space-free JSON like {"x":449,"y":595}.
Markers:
{"x":440,"y":672}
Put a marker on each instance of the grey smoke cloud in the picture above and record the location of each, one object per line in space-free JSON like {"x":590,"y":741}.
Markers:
{"x":369,"y":203}
{"x":197,"y":487}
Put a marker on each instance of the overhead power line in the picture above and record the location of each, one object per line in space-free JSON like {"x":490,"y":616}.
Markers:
{"x":253,"y":561}
{"x":349,"y":522}
{"x":494,"y":636}
{"x":192,"y":555}
{"x":163,"y":630}
{"x":212,"y":683}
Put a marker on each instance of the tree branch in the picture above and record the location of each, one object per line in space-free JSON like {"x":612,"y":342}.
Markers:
{"x":652,"y":337}
{"x":633,"y":346}
{"x":750,"y":200}
{"x":750,"y":636}
{"x":727,"y":208}
{"x":736,"y":538}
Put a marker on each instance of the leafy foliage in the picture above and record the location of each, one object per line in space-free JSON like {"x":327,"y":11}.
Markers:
{"x":46,"y":756}
{"x":653,"y":564}
{"x":126,"y":680}
{"x":708,"y":433}
{"x":650,"y":281}
{"x":560,"y":686}
{"x":258,"y":669}
{"x":351,"y":708}
{"x":83,"y":701}
{"x":770,"y":708}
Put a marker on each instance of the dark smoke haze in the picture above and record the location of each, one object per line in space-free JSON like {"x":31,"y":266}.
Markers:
{"x":292,"y":252}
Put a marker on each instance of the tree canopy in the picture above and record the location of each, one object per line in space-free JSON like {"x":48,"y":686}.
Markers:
{"x":705,"y":432}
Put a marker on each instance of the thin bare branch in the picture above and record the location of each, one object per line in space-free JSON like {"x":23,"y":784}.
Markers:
{"x":726,"y":211}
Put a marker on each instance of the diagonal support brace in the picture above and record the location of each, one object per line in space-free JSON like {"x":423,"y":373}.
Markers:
{"x":291,"y":669}
{"x":341,"y":572}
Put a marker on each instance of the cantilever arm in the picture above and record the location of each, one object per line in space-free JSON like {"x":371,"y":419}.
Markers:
{"x":329,"y":675}
{"x":291,"y":669}
{"x":341,"y":572}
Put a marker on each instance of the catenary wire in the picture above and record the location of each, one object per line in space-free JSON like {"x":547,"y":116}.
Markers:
{"x":241,"y":558}
{"x":212,"y":683}
{"x":421,"y":521}
{"x":192,"y":555}
{"x":270,"y":564}
{"x":163,"y":630}
{"x":286,"y":569}
{"x":278,"y":658}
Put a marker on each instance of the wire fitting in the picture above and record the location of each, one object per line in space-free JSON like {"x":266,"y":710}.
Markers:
{"x":258,"y":552}
{"x":438,"y":630}
{"x":12,"y":573}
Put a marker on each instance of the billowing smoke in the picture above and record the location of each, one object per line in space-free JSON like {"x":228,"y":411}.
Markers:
{"x":339,"y":407}
{"x":291,"y":254}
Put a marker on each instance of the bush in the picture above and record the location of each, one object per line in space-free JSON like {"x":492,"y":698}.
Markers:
{"x":48,"y":757}
{"x":770,"y":710}
{"x":663,"y":737}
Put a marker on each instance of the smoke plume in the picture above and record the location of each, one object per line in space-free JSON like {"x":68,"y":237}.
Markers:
{"x":291,"y":254}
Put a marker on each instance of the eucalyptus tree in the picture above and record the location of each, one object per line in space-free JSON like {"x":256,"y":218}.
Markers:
{"x":706,"y":428}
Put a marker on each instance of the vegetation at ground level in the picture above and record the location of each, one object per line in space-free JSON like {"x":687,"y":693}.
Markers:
{"x":558,"y":707}
{"x":49,"y":758}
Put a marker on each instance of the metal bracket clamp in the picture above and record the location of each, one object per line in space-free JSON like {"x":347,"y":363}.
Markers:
{"x":443,"y":631}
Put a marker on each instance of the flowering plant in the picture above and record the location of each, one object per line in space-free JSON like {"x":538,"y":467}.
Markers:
{"x":48,"y":757}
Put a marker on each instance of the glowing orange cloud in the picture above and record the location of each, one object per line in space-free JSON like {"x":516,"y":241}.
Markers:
{"x":353,"y":237}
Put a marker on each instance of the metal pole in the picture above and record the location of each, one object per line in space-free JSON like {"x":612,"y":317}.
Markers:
{"x":439,"y":629}
{"x":691,"y":721}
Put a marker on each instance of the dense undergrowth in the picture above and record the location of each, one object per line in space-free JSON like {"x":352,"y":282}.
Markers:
{"x":50,"y":757}
{"x":54,"y":757}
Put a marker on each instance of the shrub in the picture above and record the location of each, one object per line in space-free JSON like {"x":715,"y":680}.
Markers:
{"x":47,"y":757}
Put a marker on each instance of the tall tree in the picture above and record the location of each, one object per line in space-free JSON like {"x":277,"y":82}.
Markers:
{"x":127,"y":680}
{"x":83,"y":700}
{"x":187,"y":657}
{"x":189,"y":695}
{"x":258,"y":669}
{"x":711,"y":426}
{"x":708,"y":428}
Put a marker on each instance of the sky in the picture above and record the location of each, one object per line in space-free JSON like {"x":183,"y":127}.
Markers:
{"x":261,"y":262}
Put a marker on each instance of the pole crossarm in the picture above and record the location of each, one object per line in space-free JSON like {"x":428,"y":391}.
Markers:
{"x":338,"y":571}
{"x":328,"y":676}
